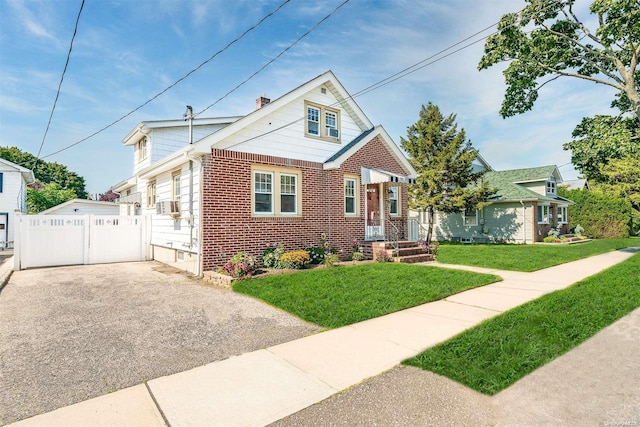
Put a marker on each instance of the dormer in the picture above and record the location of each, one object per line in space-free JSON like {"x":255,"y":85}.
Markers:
{"x":551,"y":186}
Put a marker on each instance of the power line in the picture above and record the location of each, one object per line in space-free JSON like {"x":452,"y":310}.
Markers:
{"x":55,"y":102}
{"x":253,"y":27}
{"x":276,"y":57}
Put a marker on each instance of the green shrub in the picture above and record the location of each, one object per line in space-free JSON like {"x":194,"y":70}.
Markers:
{"x":294,"y":259}
{"x":240,"y":266}
{"x":602,"y":216}
{"x":271,"y":256}
{"x":331,"y":259}
{"x":549,"y":239}
{"x":357,"y":256}
{"x":316,"y":254}
{"x":382,"y":256}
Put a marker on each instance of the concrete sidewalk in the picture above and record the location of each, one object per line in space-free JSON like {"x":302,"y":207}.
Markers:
{"x":258,"y":388}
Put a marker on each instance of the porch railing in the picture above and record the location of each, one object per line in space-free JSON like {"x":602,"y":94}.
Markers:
{"x":417,"y":231}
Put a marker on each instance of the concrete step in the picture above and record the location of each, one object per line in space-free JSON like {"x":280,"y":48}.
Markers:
{"x":409,"y":259}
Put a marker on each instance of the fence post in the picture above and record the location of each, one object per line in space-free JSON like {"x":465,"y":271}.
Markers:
{"x":86,"y":257}
{"x":17,"y":238}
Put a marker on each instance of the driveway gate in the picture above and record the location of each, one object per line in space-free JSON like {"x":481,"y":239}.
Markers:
{"x":51,"y":240}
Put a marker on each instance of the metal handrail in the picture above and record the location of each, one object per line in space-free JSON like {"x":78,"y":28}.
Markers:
{"x":393,"y":237}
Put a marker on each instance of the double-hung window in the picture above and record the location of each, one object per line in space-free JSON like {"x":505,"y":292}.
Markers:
{"x":563,"y":216}
{"x":151,"y":194}
{"x":543,"y":214}
{"x":350,"y":196}
{"x":276,"y":191}
{"x":471,"y":217}
{"x":142,"y":149}
{"x":551,"y":186}
{"x":322,"y":122}
{"x":288,"y":194}
{"x":393,"y":200}
{"x":176,"y":189}
{"x":263,"y":192}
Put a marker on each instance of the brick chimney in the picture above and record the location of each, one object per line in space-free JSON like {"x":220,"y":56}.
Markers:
{"x":261,"y":102}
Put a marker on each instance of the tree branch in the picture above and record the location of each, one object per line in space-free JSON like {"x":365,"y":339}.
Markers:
{"x":581,"y":76}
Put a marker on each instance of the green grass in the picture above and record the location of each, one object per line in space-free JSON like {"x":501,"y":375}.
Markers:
{"x":527,"y":257}
{"x":500,"y":351}
{"x":334,"y":297}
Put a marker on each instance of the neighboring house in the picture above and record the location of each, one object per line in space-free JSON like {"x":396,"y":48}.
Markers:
{"x":13,"y":197}
{"x":83,"y":207}
{"x":306,"y":166}
{"x":576,"y":184}
{"x":523,"y":210}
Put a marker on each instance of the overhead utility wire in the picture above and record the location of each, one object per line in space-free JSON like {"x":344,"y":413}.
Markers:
{"x":55,"y":102}
{"x":176,"y":82}
{"x":276,"y":57}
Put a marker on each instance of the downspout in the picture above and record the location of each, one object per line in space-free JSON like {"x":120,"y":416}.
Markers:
{"x":524,"y":223}
{"x":189,"y":116}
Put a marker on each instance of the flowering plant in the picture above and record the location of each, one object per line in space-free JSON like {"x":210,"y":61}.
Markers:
{"x":240,"y":266}
{"x":382,"y":256}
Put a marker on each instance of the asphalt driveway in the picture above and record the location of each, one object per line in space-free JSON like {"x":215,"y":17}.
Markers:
{"x":68,"y":334}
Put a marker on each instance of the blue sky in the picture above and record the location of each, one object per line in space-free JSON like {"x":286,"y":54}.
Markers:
{"x":126,"y":51}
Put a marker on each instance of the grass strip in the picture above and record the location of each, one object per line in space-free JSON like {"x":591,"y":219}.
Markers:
{"x":527,"y":257}
{"x":500,"y":351}
{"x":335,"y":297}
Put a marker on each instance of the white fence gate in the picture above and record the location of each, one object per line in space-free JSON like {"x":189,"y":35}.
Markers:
{"x":51,"y":240}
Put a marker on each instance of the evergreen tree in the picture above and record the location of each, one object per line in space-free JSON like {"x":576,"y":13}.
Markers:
{"x":443,"y":158}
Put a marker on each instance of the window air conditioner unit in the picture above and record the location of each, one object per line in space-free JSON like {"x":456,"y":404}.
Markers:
{"x":168,"y":207}
{"x":333,"y":133}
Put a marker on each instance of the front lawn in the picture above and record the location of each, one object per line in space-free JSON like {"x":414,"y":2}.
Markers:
{"x":500,"y":351}
{"x":527,"y":257}
{"x":334,"y":297}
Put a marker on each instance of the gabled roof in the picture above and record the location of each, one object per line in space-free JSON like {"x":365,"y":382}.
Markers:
{"x":142,"y":128}
{"x":508,"y":184}
{"x":27,"y":174}
{"x":575,"y":184}
{"x":360,"y":141}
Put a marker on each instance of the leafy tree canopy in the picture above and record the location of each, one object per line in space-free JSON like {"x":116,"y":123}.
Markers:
{"x":443,"y":157}
{"x":547,"y":40}
{"x":43,"y":197}
{"x":46,"y":172}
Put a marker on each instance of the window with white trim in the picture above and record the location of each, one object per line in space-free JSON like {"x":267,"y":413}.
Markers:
{"x":288,"y":194}
{"x":151,"y":194}
{"x":563,"y":214}
{"x":551,"y":186}
{"x":276,"y":191}
{"x":176,"y":188}
{"x":543,"y":214}
{"x":141,"y":148}
{"x":322,"y":122}
{"x":394,"y":198}
{"x":350,"y":196}
{"x":470,"y":217}
{"x":263,"y":192}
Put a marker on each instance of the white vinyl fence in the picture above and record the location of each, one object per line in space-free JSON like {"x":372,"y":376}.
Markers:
{"x":51,"y":240}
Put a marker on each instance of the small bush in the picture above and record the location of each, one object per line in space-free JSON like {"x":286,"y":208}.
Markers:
{"x":357,"y":256}
{"x":549,"y":239}
{"x":578,"y":230}
{"x":294,"y":259}
{"x":240,"y":266}
{"x":316,"y":254}
{"x":271,"y":256}
{"x":382,"y":256}
{"x":331,"y":259}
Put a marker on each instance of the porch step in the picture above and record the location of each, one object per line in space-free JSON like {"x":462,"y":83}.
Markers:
{"x":409,"y":259}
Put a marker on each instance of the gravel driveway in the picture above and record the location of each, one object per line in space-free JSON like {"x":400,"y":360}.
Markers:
{"x":68,"y":334}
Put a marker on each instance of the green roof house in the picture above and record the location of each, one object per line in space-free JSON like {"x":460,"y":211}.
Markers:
{"x":523,"y":210}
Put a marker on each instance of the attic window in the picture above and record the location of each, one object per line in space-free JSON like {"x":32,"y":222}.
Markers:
{"x":141,"y":149}
{"x":551,"y":186}
{"x":322,"y":122}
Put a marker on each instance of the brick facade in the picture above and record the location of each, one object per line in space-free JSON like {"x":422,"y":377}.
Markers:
{"x":229,"y":226}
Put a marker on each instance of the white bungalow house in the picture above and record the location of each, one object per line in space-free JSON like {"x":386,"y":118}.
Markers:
{"x":13,"y":197}
{"x":305,"y":165}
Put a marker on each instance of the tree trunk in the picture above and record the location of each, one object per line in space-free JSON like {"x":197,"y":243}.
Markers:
{"x":430,"y":211}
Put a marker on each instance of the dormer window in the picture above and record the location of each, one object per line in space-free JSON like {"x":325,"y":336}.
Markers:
{"x":141,"y":149}
{"x":322,"y":122}
{"x":551,"y":186}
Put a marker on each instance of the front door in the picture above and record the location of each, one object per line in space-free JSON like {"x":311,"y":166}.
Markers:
{"x":373,"y":221}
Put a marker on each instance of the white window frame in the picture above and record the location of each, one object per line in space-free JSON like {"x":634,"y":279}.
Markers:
{"x":396,"y":198}
{"x":468,"y":219}
{"x":263,"y":190}
{"x":353,"y":196}
{"x":563,"y":214}
{"x":294,"y":194}
{"x":551,"y":186}
{"x":323,"y":124}
{"x":151,"y":194}
{"x":544,"y":210}
{"x":176,"y":186}
{"x":141,"y":148}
